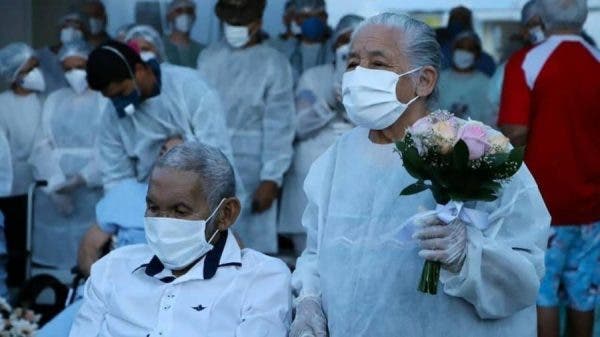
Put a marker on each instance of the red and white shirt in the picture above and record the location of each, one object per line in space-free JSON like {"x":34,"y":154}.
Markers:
{"x":554,"y":90}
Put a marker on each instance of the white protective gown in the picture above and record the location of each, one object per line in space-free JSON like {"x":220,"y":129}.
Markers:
{"x":308,"y":55}
{"x":319,"y":124}
{"x":65,"y":147}
{"x":255,"y":85}
{"x":19,"y":120}
{"x":186,"y":107}
{"x":367,"y":274}
{"x":51,"y":67}
{"x":468,"y":89}
{"x":6,"y":170}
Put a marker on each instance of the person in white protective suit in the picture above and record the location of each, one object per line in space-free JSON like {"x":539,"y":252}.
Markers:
{"x":359,"y":273}
{"x":180,"y":48}
{"x":256,"y":86}
{"x":463,"y":88}
{"x":150,"y":103}
{"x":20,"y":111}
{"x":73,"y":27}
{"x":65,"y":156}
{"x":321,"y":120}
{"x":148,"y":43}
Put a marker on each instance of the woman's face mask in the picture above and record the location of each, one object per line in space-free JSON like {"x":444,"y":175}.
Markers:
{"x":77,"y":79}
{"x":463,"y":59}
{"x":33,"y":80}
{"x":369,"y":96}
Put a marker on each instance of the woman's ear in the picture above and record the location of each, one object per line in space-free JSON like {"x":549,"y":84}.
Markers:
{"x":428,"y":78}
{"x":230,"y":211}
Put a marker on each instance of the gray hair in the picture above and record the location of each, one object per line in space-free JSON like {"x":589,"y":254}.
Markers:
{"x":419,"y":45}
{"x":563,"y":14}
{"x":211,"y":165}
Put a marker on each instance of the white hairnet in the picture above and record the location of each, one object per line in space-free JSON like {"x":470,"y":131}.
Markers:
{"x":77,"y":48}
{"x":74,"y":16}
{"x":176,"y":4}
{"x":309,"y":5}
{"x":122,"y":31}
{"x":150,"y":35}
{"x":12,"y":59}
{"x":347,"y":24}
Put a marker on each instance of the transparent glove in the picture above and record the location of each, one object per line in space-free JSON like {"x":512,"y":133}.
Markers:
{"x":310,"y":320}
{"x":63,"y":203}
{"x":444,"y":243}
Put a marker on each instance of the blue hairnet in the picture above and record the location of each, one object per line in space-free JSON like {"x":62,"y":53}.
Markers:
{"x":309,"y":5}
{"x":76,"y":48}
{"x":12,"y":59}
{"x":176,"y":4}
{"x":347,"y":23}
{"x":149,"y":34}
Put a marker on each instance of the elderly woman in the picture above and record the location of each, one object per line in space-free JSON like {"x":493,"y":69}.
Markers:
{"x":357,"y":276}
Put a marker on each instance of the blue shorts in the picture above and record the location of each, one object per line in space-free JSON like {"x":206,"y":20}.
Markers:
{"x":572,"y":270}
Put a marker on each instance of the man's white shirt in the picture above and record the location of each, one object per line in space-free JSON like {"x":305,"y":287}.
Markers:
{"x":230,"y":292}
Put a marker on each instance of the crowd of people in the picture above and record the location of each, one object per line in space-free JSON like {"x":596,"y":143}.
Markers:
{"x":172,"y":174}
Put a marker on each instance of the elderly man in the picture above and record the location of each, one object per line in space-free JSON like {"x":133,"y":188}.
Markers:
{"x":180,"y":48}
{"x":256,"y":86}
{"x":192,"y":278}
{"x":550,"y":103}
{"x":358,"y":276}
{"x":150,"y":103}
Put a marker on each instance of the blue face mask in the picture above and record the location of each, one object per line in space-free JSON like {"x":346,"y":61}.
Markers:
{"x":127,"y":104}
{"x":313,"y":28}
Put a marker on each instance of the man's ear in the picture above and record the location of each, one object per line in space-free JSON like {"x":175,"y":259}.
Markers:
{"x":229,"y":213}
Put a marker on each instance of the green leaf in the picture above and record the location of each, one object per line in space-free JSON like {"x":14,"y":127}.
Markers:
{"x":498,"y":159}
{"x":415,"y":188}
{"x":460,"y":155}
{"x":413,"y":163}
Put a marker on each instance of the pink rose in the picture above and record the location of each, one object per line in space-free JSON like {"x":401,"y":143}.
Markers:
{"x":474,"y":135}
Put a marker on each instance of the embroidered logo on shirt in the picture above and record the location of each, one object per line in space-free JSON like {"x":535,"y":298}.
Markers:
{"x":199,"y":307}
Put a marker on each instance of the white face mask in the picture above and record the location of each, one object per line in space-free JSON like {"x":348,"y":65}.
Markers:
{"x":369,"y":96}
{"x":70,"y":34}
{"x":237,"y":36}
{"x":536,"y":35}
{"x":295,"y":28}
{"x":183,"y":23}
{"x":176,"y":242}
{"x":147,"y":56}
{"x":77,"y":80}
{"x":463,"y":59}
{"x":96,"y":26}
{"x":34,"y":80}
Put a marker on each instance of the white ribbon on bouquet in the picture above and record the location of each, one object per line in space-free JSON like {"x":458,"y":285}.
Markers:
{"x":446,"y":213}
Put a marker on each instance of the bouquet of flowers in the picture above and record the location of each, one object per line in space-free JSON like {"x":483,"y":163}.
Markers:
{"x":17,"y":322}
{"x":458,"y":161}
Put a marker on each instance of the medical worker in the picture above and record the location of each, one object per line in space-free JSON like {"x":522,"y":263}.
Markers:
{"x":463,"y":88}
{"x":148,"y":43}
{"x":255,"y":85}
{"x":73,"y":27}
{"x":180,"y":48}
{"x":321,"y":120}
{"x":149,"y":104}
{"x":97,"y":21}
{"x":286,"y":41}
{"x":20,"y":113}
{"x":65,"y":155}
{"x":359,"y":273}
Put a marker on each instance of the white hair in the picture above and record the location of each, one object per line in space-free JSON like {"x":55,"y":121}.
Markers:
{"x":419,"y":44}
{"x":211,"y":165}
{"x":563,"y":14}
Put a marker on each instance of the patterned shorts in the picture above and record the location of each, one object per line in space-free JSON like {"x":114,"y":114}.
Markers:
{"x":572,"y":268}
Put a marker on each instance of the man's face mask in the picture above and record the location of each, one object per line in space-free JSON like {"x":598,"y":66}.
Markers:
{"x":369,"y":96}
{"x":77,"y":80}
{"x":177,"y":242}
{"x":236,"y":36}
{"x":313,"y":28}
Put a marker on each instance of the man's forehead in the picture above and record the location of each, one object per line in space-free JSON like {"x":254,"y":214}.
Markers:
{"x":169,"y":183}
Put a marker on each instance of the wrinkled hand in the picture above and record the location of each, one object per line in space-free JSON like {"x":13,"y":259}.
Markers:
{"x":310,"y":320}
{"x":444,"y":243}
{"x":264,"y":196}
{"x":70,"y":185}
{"x":63,"y":202}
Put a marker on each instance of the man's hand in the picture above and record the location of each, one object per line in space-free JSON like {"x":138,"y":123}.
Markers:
{"x":264,"y":196}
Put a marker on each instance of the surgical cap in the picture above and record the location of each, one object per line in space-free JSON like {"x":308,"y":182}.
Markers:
{"x":74,"y":16}
{"x":122,"y":31}
{"x":177,"y":4}
{"x":309,"y":5}
{"x":149,"y":34}
{"x":12,"y":58}
{"x":529,"y":11}
{"x":468,"y":34}
{"x":347,"y":24}
{"x":240,"y":12}
{"x":76,"y":48}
